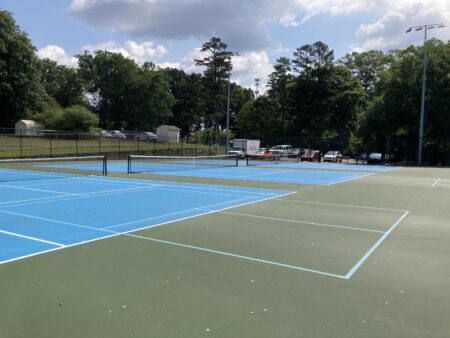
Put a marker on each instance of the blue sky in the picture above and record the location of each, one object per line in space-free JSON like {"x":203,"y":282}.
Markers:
{"x":169,"y":32}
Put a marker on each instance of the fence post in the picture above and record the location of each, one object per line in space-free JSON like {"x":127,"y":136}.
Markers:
{"x":20,"y":142}
{"x":119,"y":146}
{"x":76,"y":143}
{"x":51,"y":150}
{"x":99,"y":142}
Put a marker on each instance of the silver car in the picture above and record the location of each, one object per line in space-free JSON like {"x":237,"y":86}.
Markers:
{"x":146,"y":136}
{"x":333,"y":156}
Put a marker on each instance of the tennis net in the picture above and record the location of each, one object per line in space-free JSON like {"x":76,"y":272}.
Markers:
{"x":46,"y":168}
{"x":143,"y":163}
{"x":254,"y":160}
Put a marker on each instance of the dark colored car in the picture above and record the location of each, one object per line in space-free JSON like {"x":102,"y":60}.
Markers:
{"x":375,"y":158}
{"x":311,"y":155}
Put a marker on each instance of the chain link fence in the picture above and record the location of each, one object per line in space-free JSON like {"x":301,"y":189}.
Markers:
{"x":57,"y":143}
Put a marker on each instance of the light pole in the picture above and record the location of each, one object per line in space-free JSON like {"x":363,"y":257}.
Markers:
{"x":424,"y":80}
{"x":227,"y":142}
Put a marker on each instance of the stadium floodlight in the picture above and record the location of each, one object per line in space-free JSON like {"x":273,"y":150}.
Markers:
{"x":424,"y":77}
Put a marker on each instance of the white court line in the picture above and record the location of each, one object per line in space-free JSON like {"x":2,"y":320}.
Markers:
{"x":34,"y":173}
{"x":339,"y":205}
{"x":32,"y":200}
{"x":24,"y":202}
{"x":224,"y":253}
{"x":129,"y":234}
{"x":34,"y":189}
{"x":32,"y":238}
{"x":304,"y":222}
{"x":351,"y":179}
{"x":436,"y":182}
{"x":177,"y":212}
{"x":237,"y":192}
{"x":372,"y":249}
{"x":185,"y":185}
{"x":249,"y":178}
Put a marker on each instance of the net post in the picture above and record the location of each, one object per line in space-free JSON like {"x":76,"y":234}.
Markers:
{"x":237,"y":161}
{"x":129,"y":164}
{"x":105,"y":166}
{"x":246,"y":160}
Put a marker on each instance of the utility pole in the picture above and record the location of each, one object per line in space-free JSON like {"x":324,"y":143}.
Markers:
{"x":424,"y":80}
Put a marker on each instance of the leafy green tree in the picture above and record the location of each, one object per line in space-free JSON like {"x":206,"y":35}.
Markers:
{"x":256,"y":119}
{"x":314,"y":60}
{"x":76,"y":118}
{"x":62,"y":83}
{"x":400,"y":88}
{"x":20,"y":87}
{"x":217,"y":65}
{"x":310,"y":93}
{"x":347,"y":99}
{"x":123,"y":94}
{"x":368,"y":67}
{"x":239,"y":96}
{"x":279,"y":81}
{"x":50,"y":112}
{"x":189,"y":106}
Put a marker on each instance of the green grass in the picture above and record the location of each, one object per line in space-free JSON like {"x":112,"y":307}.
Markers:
{"x":129,"y":287}
{"x":13,"y":146}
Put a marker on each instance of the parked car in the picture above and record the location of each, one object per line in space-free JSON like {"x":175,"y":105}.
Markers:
{"x":276,"y":151}
{"x":259,"y":154}
{"x":105,"y":133}
{"x":237,"y":151}
{"x":333,"y":156}
{"x":375,"y":158}
{"x":146,"y":136}
{"x":117,"y":134}
{"x":311,"y":155}
{"x":294,"y":153}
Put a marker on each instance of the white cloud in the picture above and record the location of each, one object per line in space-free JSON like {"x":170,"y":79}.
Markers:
{"x":246,"y":67}
{"x":389,"y":30}
{"x":139,"y":52}
{"x":243,"y":24}
{"x":57,"y":54}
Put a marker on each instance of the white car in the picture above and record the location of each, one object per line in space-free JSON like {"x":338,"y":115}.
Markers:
{"x":237,"y":151}
{"x":333,"y":156}
{"x":117,"y":134}
{"x":105,"y":133}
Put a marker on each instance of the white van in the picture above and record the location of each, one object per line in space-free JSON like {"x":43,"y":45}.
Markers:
{"x":281,"y":149}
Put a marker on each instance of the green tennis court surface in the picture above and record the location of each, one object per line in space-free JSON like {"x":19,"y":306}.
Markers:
{"x":362,"y":258}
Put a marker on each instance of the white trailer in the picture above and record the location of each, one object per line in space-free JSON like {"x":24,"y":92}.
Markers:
{"x":243,"y":147}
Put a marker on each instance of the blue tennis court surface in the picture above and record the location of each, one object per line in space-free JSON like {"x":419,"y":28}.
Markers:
{"x":250,"y":173}
{"x":326,"y":166}
{"x":44,"y":215}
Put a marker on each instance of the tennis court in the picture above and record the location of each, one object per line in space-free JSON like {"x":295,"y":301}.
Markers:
{"x":43,"y":215}
{"x":124,"y":255}
{"x":223,"y":167}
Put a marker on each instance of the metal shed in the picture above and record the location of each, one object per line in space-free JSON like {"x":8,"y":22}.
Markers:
{"x":167,"y":133}
{"x":28,"y":128}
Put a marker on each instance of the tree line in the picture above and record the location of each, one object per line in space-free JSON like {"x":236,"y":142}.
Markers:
{"x":363,"y":102}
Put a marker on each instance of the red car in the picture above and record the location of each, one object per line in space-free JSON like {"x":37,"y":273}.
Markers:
{"x":311,"y":155}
